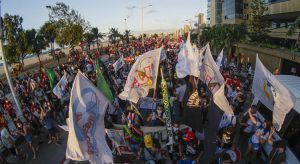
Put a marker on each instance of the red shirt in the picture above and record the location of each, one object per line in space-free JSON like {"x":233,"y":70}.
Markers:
{"x":2,"y":120}
{"x":7,"y":105}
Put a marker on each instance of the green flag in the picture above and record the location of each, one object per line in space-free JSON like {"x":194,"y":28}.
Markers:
{"x":167,"y":107}
{"x":51,"y":77}
{"x":102,"y":85}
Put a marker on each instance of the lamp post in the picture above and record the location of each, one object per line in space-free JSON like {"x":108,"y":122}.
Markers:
{"x":6,"y":70}
{"x":143,"y":21}
{"x":125,"y":20}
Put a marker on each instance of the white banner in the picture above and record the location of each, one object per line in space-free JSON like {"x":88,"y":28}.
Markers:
{"x":220,"y":60}
{"x":221,"y":101}
{"x":272,"y":93}
{"x":86,"y":139}
{"x":60,"y":89}
{"x":188,"y":60}
{"x":210,"y":73}
{"x":142,"y":76}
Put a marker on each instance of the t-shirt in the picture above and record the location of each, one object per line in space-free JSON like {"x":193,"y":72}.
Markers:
{"x":226,"y":120}
{"x":180,"y":91}
{"x":255,"y":137}
{"x":6,"y":138}
{"x":251,"y":127}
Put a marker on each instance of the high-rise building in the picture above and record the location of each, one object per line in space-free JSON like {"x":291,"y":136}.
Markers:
{"x":233,"y":11}
{"x":281,"y":14}
{"x":201,"y":20}
{"x":214,"y":12}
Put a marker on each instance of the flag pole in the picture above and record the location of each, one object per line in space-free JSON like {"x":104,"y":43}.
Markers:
{"x":7,"y":71}
{"x":157,"y":73}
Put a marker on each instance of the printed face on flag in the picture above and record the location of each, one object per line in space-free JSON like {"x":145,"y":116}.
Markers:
{"x":210,"y":73}
{"x":86,"y":139}
{"x":142,"y":76}
{"x":85,"y":117}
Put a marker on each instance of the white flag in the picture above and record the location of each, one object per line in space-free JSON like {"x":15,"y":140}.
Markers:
{"x":210,"y":73}
{"x":119,"y":63}
{"x":142,"y":76}
{"x":272,"y":93}
{"x":60,"y":89}
{"x":86,"y":140}
{"x":220,"y":60}
{"x":221,"y":101}
{"x":188,"y":60}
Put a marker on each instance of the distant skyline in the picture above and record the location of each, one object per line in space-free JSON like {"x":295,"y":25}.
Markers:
{"x":162,"y":15}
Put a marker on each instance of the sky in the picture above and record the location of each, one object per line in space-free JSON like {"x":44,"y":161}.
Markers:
{"x":104,"y":14}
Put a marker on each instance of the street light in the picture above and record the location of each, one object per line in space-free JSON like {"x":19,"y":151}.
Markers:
{"x":143,"y":7}
{"x":6,"y":70}
{"x":125,"y":24}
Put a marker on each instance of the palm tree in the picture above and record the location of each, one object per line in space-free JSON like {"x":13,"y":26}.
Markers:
{"x":98,"y":36}
{"x":114,"y":35}
{"x":155,"y":36}
{"x":126,"y":36}
{"x":88,"y":38}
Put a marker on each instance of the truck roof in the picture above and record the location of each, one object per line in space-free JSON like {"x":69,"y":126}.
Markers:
{"x":293,"y":85}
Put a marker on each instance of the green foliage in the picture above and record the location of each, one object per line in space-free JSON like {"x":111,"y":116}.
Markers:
{"x":12,"y":28}
{"x":39,"y":43}
{"x":97,"y":35}
{"x":30,"y":36}
{"x":50,"y":31}
{"x":126,"y":35}
{"x":257,"y":24}
{"x":292,"y":29}
{"x":93,"y":36}
{"x":70,"y":24}
{"x":23,"y":45}
{"x":114,"y":35}
{"x":223,"y":36}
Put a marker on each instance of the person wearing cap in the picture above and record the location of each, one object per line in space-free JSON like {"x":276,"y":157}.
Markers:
{"x":191,"y":149}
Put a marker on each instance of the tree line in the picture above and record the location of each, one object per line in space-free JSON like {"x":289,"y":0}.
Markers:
{"x":66,"y":27}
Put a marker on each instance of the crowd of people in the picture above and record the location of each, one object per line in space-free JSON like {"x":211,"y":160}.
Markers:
{"x":43,"y":111}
